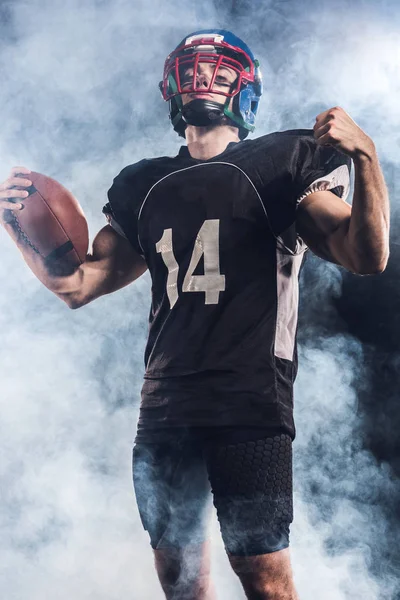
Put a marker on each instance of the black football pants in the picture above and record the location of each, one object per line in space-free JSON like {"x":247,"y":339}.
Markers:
{"x":247,"y":473}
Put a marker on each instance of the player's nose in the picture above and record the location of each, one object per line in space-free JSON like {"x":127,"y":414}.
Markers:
{"x":202,"y":80}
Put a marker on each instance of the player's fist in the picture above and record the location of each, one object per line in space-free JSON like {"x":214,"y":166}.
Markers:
{"x":12,"y":190}
{"x":334,"y":127}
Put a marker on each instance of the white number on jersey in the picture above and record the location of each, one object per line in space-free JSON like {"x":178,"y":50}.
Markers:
{"x":207,"y":244}
{"x":167,"y":252}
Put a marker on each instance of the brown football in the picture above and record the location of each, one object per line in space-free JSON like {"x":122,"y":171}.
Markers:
{"x":52,"y":222}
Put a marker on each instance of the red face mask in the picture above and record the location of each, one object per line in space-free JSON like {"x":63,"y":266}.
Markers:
{"x":186,"y":58}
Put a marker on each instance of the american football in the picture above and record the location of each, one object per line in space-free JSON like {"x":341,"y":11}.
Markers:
{"x":52,"y":222}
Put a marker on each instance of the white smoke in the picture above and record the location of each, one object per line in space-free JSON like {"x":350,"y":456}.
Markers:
{"x":74,"y":77}
{"x":337,"y":522}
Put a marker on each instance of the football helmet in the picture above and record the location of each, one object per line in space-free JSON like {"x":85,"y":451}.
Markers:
{"x":222,"y":49}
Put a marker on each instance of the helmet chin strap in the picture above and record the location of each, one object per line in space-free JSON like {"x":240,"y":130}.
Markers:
{"x":202,"y":112}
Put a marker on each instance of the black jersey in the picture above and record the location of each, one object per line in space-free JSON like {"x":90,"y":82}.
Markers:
{"x":219,"y":238}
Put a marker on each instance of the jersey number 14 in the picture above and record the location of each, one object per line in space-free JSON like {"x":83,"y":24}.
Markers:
{"x":207,"y":244}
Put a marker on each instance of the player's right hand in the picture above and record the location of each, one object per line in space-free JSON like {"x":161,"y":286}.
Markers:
{"x":12,"y":192}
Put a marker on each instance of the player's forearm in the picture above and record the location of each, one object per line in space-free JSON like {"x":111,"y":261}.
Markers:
{"x":63,"y":285}
{"x":368,"y":234}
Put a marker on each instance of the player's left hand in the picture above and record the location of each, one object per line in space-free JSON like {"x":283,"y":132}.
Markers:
{"x":334,"y":127}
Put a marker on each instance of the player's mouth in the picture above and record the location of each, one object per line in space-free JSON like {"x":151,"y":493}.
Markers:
{"x":200,"y":95}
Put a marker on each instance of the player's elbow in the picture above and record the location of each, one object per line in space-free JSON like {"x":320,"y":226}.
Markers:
{"x":74,"y":304}
{"x":371,"y":268}
{"x":367,"y":260}
{"x":72,"y":301}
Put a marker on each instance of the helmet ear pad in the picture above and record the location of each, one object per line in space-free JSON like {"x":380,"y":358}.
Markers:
{"x":243,"y":132}
{"x":175,"y":106}
{"x":246,"y":105}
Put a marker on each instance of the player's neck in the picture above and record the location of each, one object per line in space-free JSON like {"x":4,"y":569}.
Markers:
{"x":206,"y":142}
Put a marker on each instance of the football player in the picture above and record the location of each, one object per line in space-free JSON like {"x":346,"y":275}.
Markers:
{"x":223,"y":228}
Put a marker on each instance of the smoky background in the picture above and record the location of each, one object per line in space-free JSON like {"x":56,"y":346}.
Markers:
{"x":78,"y":102}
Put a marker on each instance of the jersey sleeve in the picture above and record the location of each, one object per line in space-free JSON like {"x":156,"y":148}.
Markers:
{"x":320,"y":168}
{"x":300,"y":167}
{"x":107,"y":210}
{"x":123,"y":206}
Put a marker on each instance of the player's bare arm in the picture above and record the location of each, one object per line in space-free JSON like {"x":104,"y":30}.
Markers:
{"x":357,"y":236}
{"x":111,"y":265}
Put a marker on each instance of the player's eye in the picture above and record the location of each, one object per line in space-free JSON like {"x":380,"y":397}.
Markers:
{"x":186,"y":78}
{"x":222,"y":81}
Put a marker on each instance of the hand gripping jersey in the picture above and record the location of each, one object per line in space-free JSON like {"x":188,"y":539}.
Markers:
{"x":219,"y":238}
